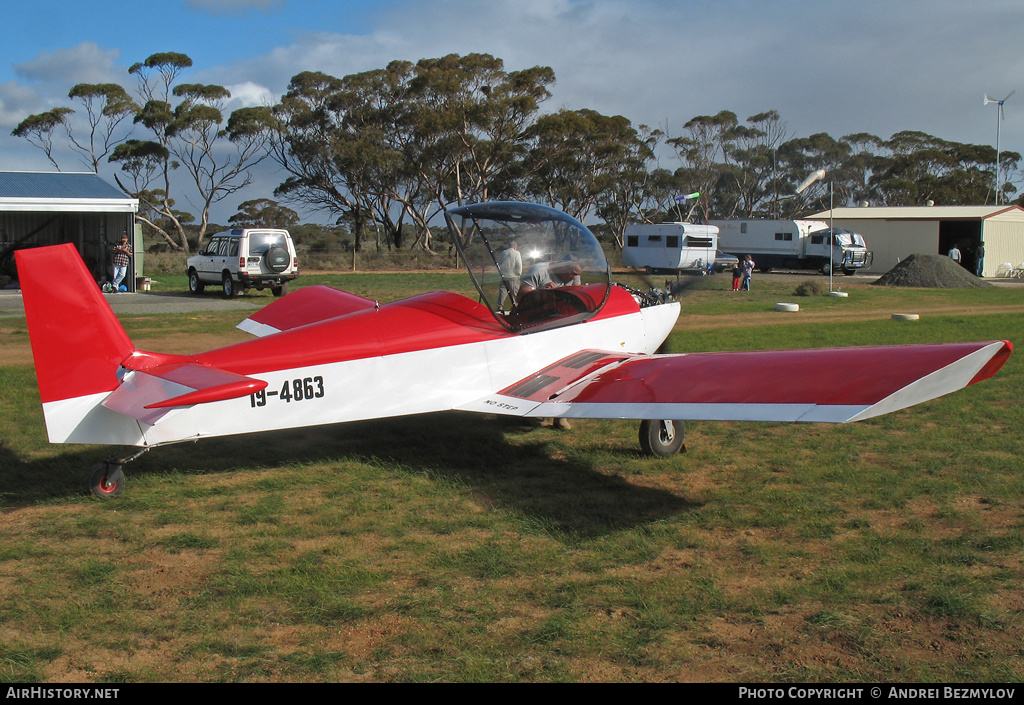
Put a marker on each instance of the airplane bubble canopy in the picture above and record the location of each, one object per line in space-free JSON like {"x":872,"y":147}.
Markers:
{"x":535,"y":267}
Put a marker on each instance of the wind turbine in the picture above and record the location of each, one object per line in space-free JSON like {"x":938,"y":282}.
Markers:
{"x":999,"y":118}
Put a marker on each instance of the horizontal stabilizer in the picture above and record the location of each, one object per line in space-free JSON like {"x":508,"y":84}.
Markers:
{"x":148,"y":395}
{"x":836,"y":385}
{"x":301,"y":307}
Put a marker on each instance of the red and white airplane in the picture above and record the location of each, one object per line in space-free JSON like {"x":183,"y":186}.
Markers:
{"x":571,"y":344}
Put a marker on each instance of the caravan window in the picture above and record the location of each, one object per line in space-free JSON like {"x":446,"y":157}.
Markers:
{"x":654,"y":238}
{"x":784,"y":236}
{"x":632,"y":241}
{"x":672,"y":241}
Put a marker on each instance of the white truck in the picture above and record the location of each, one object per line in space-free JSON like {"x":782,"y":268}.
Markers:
{"x":670,"y":247}
{"x":793,"y":244}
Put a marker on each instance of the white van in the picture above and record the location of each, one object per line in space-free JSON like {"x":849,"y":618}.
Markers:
{"x":243,"y":259}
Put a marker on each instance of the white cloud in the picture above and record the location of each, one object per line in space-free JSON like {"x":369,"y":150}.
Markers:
{"x":83,"y":63}
{"x":249,"y":95}
{"x":16,"y":103}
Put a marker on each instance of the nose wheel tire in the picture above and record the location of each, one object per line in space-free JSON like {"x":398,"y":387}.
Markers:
{"x":662,"y":437}
{"x":107,"y":481}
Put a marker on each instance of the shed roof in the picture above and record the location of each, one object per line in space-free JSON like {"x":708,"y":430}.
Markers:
{"x":61,"y":191}
{"x":925,"y":213}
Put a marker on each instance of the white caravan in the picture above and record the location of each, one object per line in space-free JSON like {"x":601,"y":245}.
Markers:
{"x":670,"y":247}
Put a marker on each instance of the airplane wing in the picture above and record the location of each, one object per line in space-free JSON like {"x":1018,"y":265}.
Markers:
{"x":836,"y":385}
{"x":303,"y":306}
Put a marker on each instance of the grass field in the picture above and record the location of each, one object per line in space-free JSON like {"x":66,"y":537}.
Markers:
{"x":455,"y":547}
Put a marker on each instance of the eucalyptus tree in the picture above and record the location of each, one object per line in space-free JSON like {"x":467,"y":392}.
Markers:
{"x":264,"y":213}
{"x":332,"y":137}
{"x":867,"y":155}
{"x":661,"y":203}
{"x":189,"y":131}
{"x":217,"y":156}
{"x":753,"y":172}
{"x":575,"y":156}
{"x":149,"y":162}
{"x":801,"y":156}
{"x":465,"y":130}
{"x":406,"y":141}
{"x":107,"y":106}
{"x":704,"y":150}
{"x":38,"y":130}
{"x":920,"y":168}
{"x":631,"y":181}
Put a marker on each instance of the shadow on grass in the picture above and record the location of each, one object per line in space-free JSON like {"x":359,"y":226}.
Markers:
{"x":532,"y":477}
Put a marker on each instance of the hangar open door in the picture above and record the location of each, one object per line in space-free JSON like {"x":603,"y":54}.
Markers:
{"x":966,"y":235}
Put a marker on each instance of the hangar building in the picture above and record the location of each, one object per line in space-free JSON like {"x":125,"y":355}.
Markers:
{"x":894,"y":233}
{"x":50,"y":208}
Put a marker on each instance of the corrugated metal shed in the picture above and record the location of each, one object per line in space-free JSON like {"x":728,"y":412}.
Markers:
{"x":988,"y":237}
{"x":61,"y":192}
{"x":48,"y":208}
{"x":923,"y":212}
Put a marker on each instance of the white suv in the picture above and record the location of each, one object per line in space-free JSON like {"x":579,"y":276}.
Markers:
{"x":239,"y":260}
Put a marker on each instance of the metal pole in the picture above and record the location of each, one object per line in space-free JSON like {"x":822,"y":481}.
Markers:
{"x":998,"y":109}
{"x":831,"y":234}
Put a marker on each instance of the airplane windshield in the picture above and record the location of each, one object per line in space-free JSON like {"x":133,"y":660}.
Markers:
{"x":535,"y":267}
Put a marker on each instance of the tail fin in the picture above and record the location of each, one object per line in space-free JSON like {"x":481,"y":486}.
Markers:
{"x":77,"y":341}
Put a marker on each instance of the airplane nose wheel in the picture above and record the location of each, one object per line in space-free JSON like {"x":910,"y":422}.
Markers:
{"x":662,"y":437}
{"x":107,"y":480}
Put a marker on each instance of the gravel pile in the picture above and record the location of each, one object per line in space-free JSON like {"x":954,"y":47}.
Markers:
{"x":930,"y":271}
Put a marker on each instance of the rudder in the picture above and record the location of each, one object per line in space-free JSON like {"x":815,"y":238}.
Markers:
{"x":77,"y":341}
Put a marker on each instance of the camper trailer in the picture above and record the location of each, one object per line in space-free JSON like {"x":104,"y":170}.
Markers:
{"x":793,"y":244}
{"x":670,"y":247}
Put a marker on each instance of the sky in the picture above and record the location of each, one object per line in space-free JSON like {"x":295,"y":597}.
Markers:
{"x":834,"y":66}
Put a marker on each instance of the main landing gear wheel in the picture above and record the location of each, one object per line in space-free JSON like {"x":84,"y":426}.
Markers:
{"x":107,"y":480}
{"x":662,"y":437}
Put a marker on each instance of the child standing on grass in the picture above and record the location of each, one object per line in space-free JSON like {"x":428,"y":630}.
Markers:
{"x":748,"y":271}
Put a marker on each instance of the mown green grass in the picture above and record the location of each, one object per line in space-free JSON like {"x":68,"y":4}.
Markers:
{"x":379,"y":286}
{"x":456,"y":547}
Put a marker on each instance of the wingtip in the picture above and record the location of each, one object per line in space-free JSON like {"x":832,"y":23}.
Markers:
{"x":996,"y":362}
